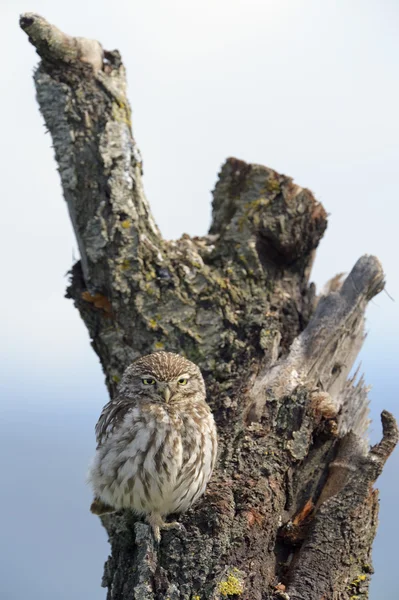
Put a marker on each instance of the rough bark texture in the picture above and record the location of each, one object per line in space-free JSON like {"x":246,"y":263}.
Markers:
{"x":291,"y":511}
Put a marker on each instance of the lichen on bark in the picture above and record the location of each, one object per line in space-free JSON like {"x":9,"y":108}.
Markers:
{"x":291,"y":511}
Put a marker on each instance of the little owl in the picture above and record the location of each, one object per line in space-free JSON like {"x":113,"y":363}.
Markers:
{"x":156,"y":441}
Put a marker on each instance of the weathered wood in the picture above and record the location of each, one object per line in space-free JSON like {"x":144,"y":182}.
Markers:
{"x":291,"y":510}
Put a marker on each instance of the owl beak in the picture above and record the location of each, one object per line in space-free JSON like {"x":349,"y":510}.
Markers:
{"x":166,"y":394}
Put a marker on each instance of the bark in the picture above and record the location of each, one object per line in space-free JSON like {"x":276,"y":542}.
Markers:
{"x":291,"y":511}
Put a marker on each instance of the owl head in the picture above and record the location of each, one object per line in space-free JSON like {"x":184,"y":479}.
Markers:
{"x":163,"y":377}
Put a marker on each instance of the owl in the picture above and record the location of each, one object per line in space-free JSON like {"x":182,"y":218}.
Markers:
{"x":156,"y":441}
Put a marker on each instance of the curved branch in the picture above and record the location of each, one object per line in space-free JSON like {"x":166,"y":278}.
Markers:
{"x":390,"y":437}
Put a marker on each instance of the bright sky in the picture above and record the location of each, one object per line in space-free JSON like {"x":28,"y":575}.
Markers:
{"x":308,"y":88}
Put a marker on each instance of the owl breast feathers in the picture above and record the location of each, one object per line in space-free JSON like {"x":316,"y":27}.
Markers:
{"x":156,"y":440}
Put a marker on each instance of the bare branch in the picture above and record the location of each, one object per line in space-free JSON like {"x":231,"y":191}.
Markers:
{"x":325,"y":351}
{"x":348,"y":500}
{"x":265,"y":217}
{"x":390,"y":437}
{"x":87,"y":112}
{"x":53,"y":44}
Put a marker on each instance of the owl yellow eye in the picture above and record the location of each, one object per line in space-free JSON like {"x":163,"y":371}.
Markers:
{"x":148,"y":381}
{"x":182,"y":381}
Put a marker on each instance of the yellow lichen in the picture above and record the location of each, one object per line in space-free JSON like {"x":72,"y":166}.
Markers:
{"x":354,"y":586}
{"x":357,"y":580}
{"x":273,"y":186}
{"x":159,"y":346}
{"x":241,"y":222}
{"x":150,"y":275}
{"x":222,"y":282}
{"x":121,"y":113}
{"x":255,"y":205}
{"x":196,"y":597}
{"x":152,"y":323}
{"x":231,"y":587}
{"x":125,"y":224}
{"x":125,"y":264}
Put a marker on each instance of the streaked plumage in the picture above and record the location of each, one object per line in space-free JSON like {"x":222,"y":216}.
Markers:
{"x":156,"y":441}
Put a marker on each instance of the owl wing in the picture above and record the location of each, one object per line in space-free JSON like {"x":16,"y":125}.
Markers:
{"x":111,"y":416}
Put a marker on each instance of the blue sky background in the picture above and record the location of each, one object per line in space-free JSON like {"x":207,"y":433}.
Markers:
{"x":308,"y":88}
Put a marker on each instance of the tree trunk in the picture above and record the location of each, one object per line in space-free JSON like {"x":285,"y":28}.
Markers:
{"x":290,"y":511}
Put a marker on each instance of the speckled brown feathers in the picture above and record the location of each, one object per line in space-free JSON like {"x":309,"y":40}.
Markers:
{"x":156,"y":440}
{"x":164,"y":366}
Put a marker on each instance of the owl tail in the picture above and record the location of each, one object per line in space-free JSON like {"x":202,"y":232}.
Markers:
{"x":98,"y":507}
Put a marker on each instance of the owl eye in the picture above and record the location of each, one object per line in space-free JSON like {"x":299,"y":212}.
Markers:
{"x":148,"y":381}
{"x":182,"y":381}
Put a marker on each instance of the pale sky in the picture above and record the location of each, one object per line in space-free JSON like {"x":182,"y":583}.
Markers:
{"x":308,"y":88}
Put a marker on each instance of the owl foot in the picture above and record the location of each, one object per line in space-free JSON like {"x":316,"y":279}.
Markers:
{"x":174,"y":525}
{"x":98,"y":507}
{"x":157,"y":523}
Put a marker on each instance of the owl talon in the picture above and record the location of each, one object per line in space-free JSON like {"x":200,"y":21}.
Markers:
{"x":157,"y":523}
{"x":174,"y":525}
{"x":157,"y":534}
